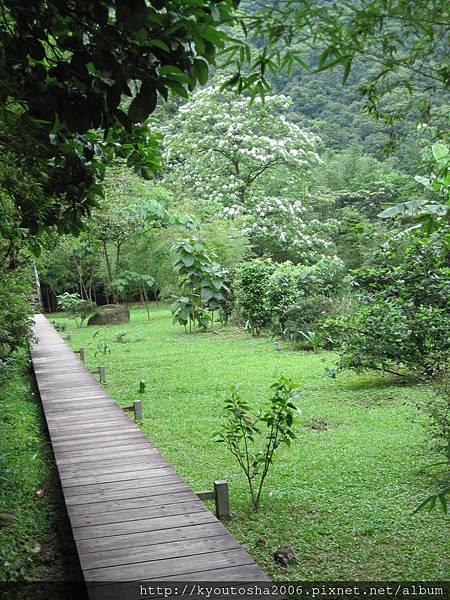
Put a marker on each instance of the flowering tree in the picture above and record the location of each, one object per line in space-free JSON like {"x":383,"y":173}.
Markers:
{"x":246,"y":160}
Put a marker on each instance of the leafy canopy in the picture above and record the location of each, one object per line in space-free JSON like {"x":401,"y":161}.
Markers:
{"x":66,"y":70}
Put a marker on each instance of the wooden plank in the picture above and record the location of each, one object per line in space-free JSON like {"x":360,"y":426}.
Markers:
{"x":135,"y":514}
{"x":159,"y":523}
{"x":131,"y":436}
{"x":115,"y":477}
{"x":100,"y":454}
{"x":163,"y":498}
{"x":200,"y":527}
{"x":123,"y":494}
{"x":160,"y":551}
{"x":131,"y":439}
{"x":52,"y":408}
{"x":89,"y":436}
{"x":104,"y":488}
{"x":170,"y":566}
{"x":140,"y":463}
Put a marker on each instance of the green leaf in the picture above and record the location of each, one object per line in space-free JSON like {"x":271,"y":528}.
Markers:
{"x":402,"y":208}
{"x":440,"y":152}
{"x":347,"y":69}
{"x":201,"y":70}
{"x":143,"y":104}
{"x":159,"y":44}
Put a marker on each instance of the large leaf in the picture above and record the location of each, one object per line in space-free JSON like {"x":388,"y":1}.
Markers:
{"x":440,"y":153}
{"x":143,"y":104}
{"x":403,"y":208}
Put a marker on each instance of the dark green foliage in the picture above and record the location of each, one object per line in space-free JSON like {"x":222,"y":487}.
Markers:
{"x":201,"y":280}
{"x":76,"y":307}
{"x":65,"y":69}
{"x":417,"y":272}
{"x":281,"y":294}
{"x":291,"y":298}
{"x":325,"y":277}
{"x":404,"y":44}
{"x":241,"y":430}
{"x":395,"y":337}
{"x":252,"y":283}
{"x":401,"y":321}
{"x":305,"y":315}
{"x":15,"y":312}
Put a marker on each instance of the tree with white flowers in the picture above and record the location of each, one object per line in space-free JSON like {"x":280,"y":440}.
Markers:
{"x":248,"y":161}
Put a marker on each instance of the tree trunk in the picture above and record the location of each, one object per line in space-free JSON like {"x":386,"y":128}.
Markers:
{"x":108,"y":266}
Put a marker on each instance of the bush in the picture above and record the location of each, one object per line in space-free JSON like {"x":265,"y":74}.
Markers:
{"x":75,"y":307}
{"x":306,"y":315}
{"x":252,"y":282}
{"x":324,"y":278}
{"x":401,"y":321}
{"x":281,"y":294}
{"x":392,"y":336}
{"x":15,"y":312}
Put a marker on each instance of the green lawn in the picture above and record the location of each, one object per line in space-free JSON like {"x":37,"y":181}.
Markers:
{"x":342,"y":495}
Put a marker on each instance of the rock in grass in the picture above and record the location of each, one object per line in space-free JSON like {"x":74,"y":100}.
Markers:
{"x":110,"y":314}
{"x":285,"y":555}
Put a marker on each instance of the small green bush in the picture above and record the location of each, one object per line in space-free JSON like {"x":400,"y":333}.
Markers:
{"x":306,"y":315}
{"x":281,"y":294}
{"x":75,"y":307}
{"x":242,"y":431}
{"x":252,"y":282}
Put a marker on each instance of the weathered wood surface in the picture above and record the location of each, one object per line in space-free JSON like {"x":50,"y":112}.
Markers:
{"x":133,"y":518}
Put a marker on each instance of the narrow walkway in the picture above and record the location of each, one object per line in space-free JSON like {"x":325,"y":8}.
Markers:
{"x":133,"y":518}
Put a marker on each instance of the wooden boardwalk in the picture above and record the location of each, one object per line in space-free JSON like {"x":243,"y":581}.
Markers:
{"x":133,"y":517}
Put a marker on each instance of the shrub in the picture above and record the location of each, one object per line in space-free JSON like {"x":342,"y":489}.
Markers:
{"x":401,"y":320}
{"x":324,"y":278}
{"x":281,"y":294}
{"x":252,"y":282}
{"x":202,"y":282}
{"x":241,"y":429}
{"x":15,"y":312}
{"x":75,"y":307}
{"x":394,"y":337}
{"x":306,"y":315}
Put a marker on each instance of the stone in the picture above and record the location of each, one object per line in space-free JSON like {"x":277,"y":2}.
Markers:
{"x":110,"y":314}
{"x":285,"y":555}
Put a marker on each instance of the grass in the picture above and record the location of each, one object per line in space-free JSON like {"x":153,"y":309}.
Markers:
{"x":342,"y":495}
{"x":35,"y":539}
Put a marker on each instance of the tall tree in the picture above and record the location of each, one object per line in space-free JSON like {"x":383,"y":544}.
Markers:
{"x":249,"y":161}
